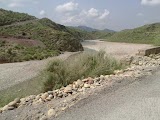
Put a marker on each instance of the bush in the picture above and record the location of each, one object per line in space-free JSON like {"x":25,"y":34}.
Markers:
{"x":61,"y":73}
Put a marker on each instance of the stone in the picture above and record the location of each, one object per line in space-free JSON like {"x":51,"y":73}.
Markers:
{"x":23,"y":100}
{"x":5,"y":108}
{"x":51,"y":113}
{"x":68,"y":89}
{"x":50,"y":92}
{"x":90,"y":81}
{"x":12,"y":104}
{"x":44,"y":96}
{"x":102,"y":77}
{"x":86,"y":85}
{"x":79,"y":83}
{"x":17,"y":100}
{"x":11,"y":108}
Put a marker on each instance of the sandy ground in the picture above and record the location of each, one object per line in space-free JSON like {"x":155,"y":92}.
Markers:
{"x":14,"y":73}
{"x":115,"y":49}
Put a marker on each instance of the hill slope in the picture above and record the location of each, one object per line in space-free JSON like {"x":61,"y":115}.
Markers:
{"x":148,"y":34}
{"x":20,"y":26}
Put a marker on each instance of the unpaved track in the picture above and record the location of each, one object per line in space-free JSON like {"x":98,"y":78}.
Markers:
{"x":118,"y":50}
{"x":14,"y":73}
{"x":137,"y":101}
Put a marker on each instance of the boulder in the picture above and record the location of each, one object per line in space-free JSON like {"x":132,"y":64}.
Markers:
{"x":86,"y":85}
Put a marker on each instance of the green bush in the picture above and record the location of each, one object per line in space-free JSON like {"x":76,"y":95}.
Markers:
{"x":61,"y":73}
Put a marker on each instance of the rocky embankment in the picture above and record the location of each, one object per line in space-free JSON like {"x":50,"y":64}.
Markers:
{"x":50,"y":104}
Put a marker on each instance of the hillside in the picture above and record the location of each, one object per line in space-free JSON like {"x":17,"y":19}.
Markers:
{"x":20,"y":26}
{"x":148,"y":34}
{"x":9,"y":17}
{"x":94,"y":33}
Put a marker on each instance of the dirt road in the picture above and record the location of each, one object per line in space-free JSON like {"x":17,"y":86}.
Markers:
{"x":13,"y":73}
{"x":115,"y":49}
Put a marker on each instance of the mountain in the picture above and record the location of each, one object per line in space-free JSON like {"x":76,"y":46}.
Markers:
{"x":88,"y":29}
{"x":108,"y":30}
{"x":147,"y":34}
{"x":25,"y":35}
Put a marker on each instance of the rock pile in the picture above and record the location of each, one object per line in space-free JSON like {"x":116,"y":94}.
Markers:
{"x":138,"y":67}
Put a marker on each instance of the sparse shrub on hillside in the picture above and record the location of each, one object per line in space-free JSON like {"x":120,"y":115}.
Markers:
{"x":61,"y":73}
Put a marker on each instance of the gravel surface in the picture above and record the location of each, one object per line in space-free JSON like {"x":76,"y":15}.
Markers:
{"x":118,"y":50}
{"x":14,"y":73}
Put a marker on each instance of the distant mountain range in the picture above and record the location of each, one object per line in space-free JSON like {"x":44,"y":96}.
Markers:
{"x":89,"y":29}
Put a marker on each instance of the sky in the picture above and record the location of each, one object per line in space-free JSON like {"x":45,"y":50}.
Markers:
{"x":100,"y":14}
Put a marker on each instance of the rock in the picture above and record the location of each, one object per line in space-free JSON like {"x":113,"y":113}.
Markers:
{"x":84,"y":80}
{"x":68,"y":89}
{"x":11,"y":108}
{"x":38,"y":97}
{"x":79,"y":83}
{"x":90,"y":81}
{"x":44,"y":96}
{"x":5,"y":108}
{"x":23,"y":100}
{"x":12,"y":104}
{"x":86,"y":85}
{"x":102,"y":77}
{"x":50,"y":92}
{"x":17,"y":100}
{"x":51,"y":113}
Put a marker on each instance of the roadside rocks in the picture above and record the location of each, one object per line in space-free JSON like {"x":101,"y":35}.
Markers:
{"x":139,"y":66}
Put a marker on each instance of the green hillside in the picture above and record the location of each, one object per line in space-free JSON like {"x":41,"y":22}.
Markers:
{"x":19,"y":26}
{"x":148,"y":34}
{"x":9,"y":17}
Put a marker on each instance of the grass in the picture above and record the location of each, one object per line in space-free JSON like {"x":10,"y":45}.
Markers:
{"x":59,"y":73}
{"x":18,"y":53}
{"x":9,"y":17}
{"x":148,"y":34}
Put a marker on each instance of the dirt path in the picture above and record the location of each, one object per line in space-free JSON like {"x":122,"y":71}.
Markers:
{"x":14,"y":73}
{"x":115,"y":49}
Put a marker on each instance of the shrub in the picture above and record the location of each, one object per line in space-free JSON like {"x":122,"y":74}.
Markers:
{"x":61,"y":73}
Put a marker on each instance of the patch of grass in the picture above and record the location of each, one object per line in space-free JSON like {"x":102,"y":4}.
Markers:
{"x":61,"y":73}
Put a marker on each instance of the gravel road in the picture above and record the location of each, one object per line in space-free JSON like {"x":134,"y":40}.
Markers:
{"x":14,"y":73}
{"x":118,"y":50}
{"x":137,"y":101}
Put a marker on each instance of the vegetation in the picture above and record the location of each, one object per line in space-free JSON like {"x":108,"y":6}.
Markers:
{"x":9,"y":17}
{"x":61,"y":73}
{"x":148,"y":34}
{"x":18,"y":53}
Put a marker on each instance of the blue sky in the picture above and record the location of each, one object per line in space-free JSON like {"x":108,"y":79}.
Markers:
{"x":101,"y":14}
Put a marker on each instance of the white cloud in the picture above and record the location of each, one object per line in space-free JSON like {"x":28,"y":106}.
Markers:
{"x":67,"y":7}
{"x":93,"y":12}
{"x":88,"y":18}
{"x":15,"y":4}
{"x":42,"y":12}
{"x":150,"y":2}
{"x":104,"y":15}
